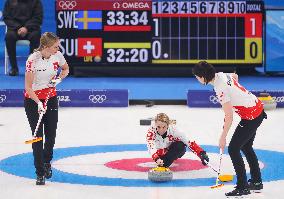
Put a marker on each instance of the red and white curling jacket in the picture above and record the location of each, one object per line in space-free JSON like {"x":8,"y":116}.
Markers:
{"x":245,"y":104}
{"x":158,"y":145}
{"x":44,"y":70}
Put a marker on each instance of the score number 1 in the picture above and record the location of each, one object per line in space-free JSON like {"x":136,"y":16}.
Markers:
{"x":156,"y":45}
{"x":253,"y":37}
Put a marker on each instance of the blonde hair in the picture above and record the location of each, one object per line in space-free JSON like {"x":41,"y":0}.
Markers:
{"x":162,"y":117}
{"x":47,"y":39}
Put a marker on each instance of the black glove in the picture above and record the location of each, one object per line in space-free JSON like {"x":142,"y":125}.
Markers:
{"x":204,"y":158}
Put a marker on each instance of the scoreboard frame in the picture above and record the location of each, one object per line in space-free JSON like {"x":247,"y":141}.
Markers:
{"x":126,"y":37}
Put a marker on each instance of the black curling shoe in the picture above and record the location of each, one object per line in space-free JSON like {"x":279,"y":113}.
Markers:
{"x":255,"y":186}
{"x":47,"y":170}
{"x":238,"y":192}
{"x":40,"y":180}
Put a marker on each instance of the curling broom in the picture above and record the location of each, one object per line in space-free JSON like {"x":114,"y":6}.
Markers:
{"x":217,"y":185}
{"x":222,"y":178}
{"x":35,"y":138}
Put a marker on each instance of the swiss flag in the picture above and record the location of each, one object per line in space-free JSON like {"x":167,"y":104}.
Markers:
{"x":89,"y":47}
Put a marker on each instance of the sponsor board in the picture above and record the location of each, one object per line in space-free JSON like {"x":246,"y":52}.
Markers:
{"x":72,"y":98}
{"x":205,"y":98}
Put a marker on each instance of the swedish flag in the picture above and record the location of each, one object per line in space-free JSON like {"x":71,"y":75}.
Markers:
{"x":89,"y":20}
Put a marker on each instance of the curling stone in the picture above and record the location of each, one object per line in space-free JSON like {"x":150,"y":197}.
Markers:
{"x":160,"y":174}
{"x":268,"y":102}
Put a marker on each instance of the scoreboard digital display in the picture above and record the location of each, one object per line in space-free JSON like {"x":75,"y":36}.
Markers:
{"x":155,"y":32}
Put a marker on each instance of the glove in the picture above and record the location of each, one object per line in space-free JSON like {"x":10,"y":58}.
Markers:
{"x":195,"y":148}
{"x":54,"y":82}
{"x":159,"y":153}
{"x":40,"y":108}
{"x":204,"y":158}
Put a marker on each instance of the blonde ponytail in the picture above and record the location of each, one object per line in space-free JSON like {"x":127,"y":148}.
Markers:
{"x":47,"y":39}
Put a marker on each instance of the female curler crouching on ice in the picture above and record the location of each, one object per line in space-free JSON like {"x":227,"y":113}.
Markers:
{"x":166,"y":144}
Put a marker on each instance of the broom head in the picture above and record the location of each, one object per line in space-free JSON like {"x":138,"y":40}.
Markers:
{"x":226,"y":178}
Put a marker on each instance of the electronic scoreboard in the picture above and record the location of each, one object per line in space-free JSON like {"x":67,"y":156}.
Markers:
{"x":96,"y":33}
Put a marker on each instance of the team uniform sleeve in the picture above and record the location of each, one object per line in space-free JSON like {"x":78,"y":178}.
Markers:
{"x":150,"y":138}
{"x":222,"y":92}
{"x":62,"y":60}
{"x":30,"y":65}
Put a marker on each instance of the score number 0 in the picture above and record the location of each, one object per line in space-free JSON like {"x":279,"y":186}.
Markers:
{"x":253,"y":45}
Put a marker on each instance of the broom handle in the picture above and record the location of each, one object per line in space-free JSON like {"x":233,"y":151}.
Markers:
{"x":41,"y":114}
{"x":207,"y":163}
{"x":212,"y":167}
{"x":221,"y":154}
{"x":38,"y":122}
{"x":217,"y":179}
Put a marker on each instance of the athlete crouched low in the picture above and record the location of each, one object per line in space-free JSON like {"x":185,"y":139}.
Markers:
{"x":166,"y":144}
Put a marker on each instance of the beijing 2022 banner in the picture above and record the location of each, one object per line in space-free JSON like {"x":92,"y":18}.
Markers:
{"x":72,"y":98}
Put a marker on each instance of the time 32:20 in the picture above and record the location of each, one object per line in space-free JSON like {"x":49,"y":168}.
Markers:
{"x":127,"y":55}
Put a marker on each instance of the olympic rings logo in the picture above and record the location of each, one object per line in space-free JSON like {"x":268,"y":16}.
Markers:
{"x":97,"y":98}
{"x":67,"y":5}
{"x":278,"y":99}
{"x":2,"y":98}
{"x":214,"y":99}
